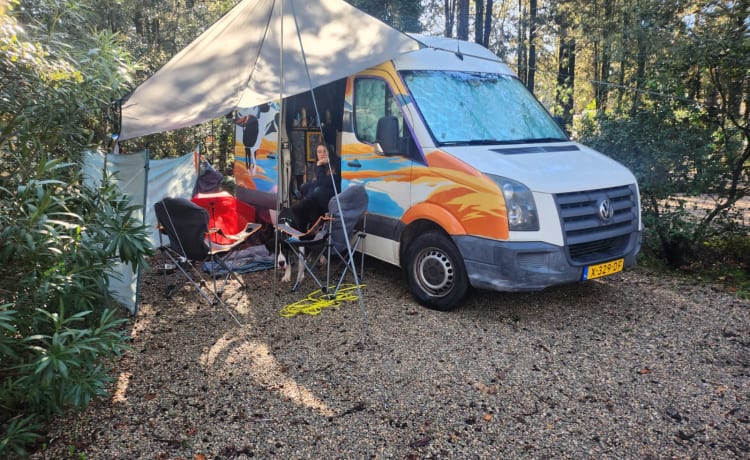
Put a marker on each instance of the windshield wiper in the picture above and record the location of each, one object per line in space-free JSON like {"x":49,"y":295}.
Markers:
{"x":451,"y":143}
{"x":476,"y":142}
{"x":541,"y":140}
{"x":485,"y":142}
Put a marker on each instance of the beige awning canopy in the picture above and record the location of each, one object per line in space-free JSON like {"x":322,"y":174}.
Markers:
{"x":260,"y":51}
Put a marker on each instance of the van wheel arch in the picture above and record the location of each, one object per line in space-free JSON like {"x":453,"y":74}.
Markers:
{"x":433,"y":267}
{"x":410,"y":233}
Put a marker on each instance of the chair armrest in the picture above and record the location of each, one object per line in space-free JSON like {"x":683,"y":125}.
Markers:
{"x":249,"y":229}
{"x":293,"y":232}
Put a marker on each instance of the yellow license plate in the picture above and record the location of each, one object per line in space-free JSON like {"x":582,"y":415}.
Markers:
{"x":607,"y":268}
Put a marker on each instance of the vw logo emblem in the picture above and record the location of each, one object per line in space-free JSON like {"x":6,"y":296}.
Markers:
{"x":606,"y":211}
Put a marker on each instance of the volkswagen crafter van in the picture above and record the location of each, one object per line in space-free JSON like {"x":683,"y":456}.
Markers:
{"x":471,"y":182}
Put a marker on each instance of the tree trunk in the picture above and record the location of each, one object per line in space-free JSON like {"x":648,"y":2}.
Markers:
{"x":605,"y":61}
{"x":478,"y":19}
{"x":522,"y":51}
{"x":566,"y":77}
{"x":531,"y":75}
{"x":623,"y":66}
{"x":463,"y":20}
{"x":487,"y":24}
{"x":450,"y":17}
{"x":640,"y":73}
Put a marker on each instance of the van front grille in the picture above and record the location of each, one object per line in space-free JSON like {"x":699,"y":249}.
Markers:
{"x":591,"y":237}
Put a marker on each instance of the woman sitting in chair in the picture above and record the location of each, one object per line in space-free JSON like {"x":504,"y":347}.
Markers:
{"x":327,"y":179}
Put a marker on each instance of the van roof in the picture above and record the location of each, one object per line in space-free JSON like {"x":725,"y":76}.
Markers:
{"x":441,"y":53}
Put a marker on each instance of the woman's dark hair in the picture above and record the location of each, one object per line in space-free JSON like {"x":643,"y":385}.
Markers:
{"x":329,"y":147}
{"x":333,"y":158}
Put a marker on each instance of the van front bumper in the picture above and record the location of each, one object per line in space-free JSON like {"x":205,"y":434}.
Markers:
{"x":524,"y":266}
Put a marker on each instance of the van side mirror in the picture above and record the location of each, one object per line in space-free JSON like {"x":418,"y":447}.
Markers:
{"x":387,"y":135}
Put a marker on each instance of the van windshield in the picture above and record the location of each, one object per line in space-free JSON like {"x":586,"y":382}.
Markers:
{"x":463,"y":108}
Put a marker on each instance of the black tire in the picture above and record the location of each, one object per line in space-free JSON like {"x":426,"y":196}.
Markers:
{"x":435,"y":272}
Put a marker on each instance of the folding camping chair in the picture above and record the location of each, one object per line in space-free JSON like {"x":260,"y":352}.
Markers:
{"x":328,"y":237}
{"x":190,"y":242}
{"x":226,"y":212}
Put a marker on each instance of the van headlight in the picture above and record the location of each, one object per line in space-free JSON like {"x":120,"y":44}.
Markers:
{"x":519,"y":204}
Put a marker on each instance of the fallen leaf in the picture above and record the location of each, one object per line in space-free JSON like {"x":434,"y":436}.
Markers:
{"x":150,"y":396}
{"x":487,"y":389}
{"x":199,"y":457}
{"x":421,"y":442}
{"x":191,"y":432}
{"x":645,"y":370}
{"x":685,"y":436}
{"x":487,"y":417}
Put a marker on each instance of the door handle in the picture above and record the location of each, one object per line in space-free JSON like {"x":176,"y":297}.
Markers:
{"x":354,"y":164}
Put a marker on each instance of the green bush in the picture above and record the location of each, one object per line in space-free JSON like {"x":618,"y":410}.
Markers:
{"x":59,"y":240}
{"x":57,"y":335}
{"x":676,"y":160}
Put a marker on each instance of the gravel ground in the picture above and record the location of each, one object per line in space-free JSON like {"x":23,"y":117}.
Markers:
{"x":632,"y":366}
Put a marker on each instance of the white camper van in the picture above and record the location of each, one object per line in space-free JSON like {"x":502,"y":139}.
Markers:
{"x":471,"y":182}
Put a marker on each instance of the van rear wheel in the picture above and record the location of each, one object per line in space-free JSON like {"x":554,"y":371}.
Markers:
{"x":436,"y":272}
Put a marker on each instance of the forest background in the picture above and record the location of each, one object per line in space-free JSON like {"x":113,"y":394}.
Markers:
{"x":661,"y":86}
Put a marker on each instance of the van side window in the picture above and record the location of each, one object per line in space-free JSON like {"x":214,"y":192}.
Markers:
{"x":372,"y":101}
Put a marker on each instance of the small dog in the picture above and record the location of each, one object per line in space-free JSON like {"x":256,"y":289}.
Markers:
{"x":300,"y":216}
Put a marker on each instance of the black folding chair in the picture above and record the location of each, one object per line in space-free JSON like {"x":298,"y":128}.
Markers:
{"x":186,"y":225}
{"x":329,"y":237}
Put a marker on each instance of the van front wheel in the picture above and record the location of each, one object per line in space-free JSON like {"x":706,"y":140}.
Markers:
{"x":436,"y":272}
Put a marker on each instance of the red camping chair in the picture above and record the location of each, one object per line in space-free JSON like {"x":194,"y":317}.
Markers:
{"x":225,"y":212}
